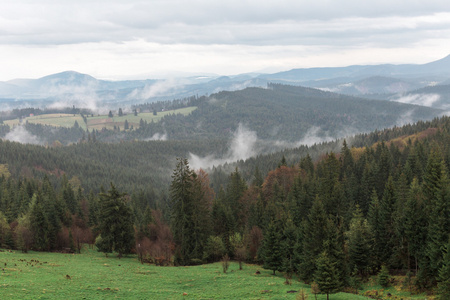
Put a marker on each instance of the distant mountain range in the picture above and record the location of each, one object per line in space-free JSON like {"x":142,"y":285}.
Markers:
{"x":389,"y":82}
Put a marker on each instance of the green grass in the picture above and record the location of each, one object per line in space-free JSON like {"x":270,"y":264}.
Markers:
{"x":399,"y":289}
{"x":93,"y":276}
{"x":57,"y":120}
{"x":99,"y":122}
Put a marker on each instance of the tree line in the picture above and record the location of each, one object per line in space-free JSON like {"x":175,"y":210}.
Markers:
{"x":333,"y":221}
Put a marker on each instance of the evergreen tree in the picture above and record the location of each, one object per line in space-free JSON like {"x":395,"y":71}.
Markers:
{"x":383,"y":276}
{"x":326,"y":275}
{"x":115,"y":223}
{"x":272,"y":252}
{"x":314,"y":234}
{"x":359,"y":243}
{"x":439,"y":224}
{"x":415,"y":224}
{"x":39,"y":223}
{"x":189,"y":211}
{"x":444,"y":275}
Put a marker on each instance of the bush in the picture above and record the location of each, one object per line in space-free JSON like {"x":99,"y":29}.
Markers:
{"x":302,"y":295}
{"x":214,"y":250}
{"x":225,"y":263}
{"x":383,"y":276}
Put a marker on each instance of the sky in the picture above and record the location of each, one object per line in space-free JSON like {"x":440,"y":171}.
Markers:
{"x":130,"y":39}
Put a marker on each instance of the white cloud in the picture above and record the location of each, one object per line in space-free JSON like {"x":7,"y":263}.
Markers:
{"x":157,"y":137}
{"x":21,"y":135}
{"x":243,"y":146}
{"x":116,"y":38}
{"x":419,"y":99}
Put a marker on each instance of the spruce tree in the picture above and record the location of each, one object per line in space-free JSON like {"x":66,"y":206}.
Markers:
{"x":439,"y":224}
{"x":444,"y":275}
{"x":272,"y":248}
{"x":39,"y":223}
{"x":115,"y":223}
{"x":359,"y":243}
{"x":190,"y":212}
{"x":326,"y":275}
{"x":314,"y":233}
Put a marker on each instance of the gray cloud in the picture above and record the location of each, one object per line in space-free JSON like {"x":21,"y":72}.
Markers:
{"x":118,"y":38}
{"x":202,"y":21}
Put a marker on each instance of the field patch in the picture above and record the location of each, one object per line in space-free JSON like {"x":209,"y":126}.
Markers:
{"x":91,"y":275}
{"x":98,"y":122}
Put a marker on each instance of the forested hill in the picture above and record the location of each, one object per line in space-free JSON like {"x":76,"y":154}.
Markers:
{"x":381,"y":205}
{"x":427,"y":132}
{"x":283,"y":112}
{"x":276,"y":113}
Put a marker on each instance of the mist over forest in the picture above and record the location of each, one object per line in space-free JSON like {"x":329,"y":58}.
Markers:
{"x":308,"y":172}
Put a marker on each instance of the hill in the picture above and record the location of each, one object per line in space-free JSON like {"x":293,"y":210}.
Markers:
{"x":84,"y":90}
{"x":437,"y":96}
{"x":290,"y":113}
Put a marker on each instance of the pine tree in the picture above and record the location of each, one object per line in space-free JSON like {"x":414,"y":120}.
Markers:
{"x":115,"y":224}
{"x":439,"y":224}
{"x":383,"y":276}
{"x":190,"y":212}
{"x":39,"y":223}
{"x":314,"y":234}
{"x":288,"y":245}
{"x":272,"y":248}
{"x":359,"y":243}
{"x":444,"y":274}
{"x":326,"y":275}
{"x":415,"y":224}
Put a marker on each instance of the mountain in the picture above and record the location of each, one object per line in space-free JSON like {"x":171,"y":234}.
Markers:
{"x":368,"y":86}
{"x":437,"y":96}
{"x":287,"y":113}
{"x":72,"y":88}
{"x":439,"y":68}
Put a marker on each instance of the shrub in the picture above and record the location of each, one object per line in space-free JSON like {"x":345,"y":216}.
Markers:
{"x":301,"y":295}
{"x":383,"y":276}
{"x":225,"y":263}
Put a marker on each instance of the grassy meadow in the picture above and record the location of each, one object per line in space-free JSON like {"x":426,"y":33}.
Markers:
{"x":91,"y":275}
{"x":100,"y":121}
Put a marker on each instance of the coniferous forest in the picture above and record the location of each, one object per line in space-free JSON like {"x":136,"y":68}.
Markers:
{"x":378,"y":205}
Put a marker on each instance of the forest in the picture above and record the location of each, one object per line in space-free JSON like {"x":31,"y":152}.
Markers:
{"x":275,"y":113}
{"x":379,"y":204}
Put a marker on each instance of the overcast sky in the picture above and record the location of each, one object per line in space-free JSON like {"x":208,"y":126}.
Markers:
{"x":112,"y":39}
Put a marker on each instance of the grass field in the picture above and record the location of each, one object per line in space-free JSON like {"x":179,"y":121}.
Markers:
{"x":57,"y":120}
{"x":91,"y":275}
{"x":99,"y":122}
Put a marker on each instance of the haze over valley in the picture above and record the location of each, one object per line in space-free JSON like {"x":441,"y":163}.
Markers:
{"x":225,"y":150}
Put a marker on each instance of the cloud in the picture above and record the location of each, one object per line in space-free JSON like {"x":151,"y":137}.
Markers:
{"x":117,"y":38}
{"x":242,"y":146}
{"x":420,"y":99}
{"x":156,"y":89}
{"x":406,"y":118}
{"x":157,"y":137}
{"x":21,"y":135}
{"x":314,"y":135}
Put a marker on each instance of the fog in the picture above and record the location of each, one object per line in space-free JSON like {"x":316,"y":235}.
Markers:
{"x":21,"y":135}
